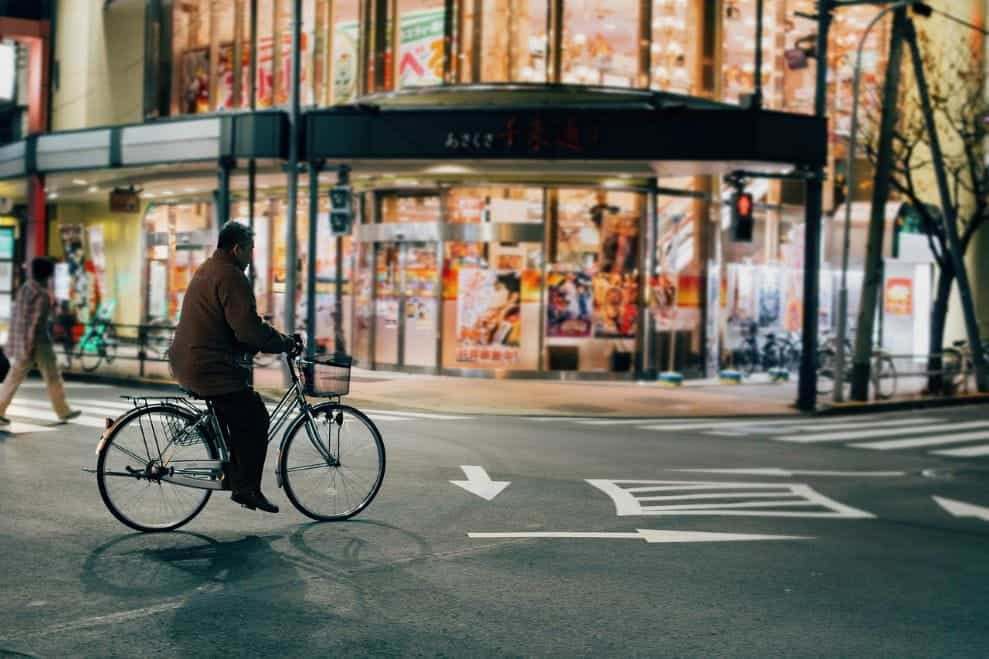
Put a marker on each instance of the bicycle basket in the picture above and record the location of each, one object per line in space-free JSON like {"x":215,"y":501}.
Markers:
{"x":327,"y":375}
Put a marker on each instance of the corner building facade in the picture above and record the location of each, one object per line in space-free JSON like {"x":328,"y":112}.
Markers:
{"x":539,"y":182}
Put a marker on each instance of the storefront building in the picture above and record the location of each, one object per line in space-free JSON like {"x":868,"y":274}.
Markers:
{"x":518,"y":232}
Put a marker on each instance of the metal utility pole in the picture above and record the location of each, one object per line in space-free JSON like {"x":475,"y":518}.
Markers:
{"x":948,"y":212}
{"x":807,"y":388}
{"x":252,"y":167}
{"x":291,"y":222}
{"x":315,"y":167}
{"x":842,"y":329}
{"x":861,"y":364}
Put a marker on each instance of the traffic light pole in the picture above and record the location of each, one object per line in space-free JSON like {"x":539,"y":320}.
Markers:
{"x":807,"y":387}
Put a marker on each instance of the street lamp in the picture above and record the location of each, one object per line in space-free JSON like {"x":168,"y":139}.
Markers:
{"x":839,"y":370}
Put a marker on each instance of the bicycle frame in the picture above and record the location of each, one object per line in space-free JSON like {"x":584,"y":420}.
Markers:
{"x":293,"y":398}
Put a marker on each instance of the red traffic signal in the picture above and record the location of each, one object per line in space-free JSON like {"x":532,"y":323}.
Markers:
{"x":742,"y":222}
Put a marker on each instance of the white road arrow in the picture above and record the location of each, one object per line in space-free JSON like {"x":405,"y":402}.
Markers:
{"x":651,"y":536}
{"x":962,"y":509}
{"x":478,"y":482}
{"x":769,"y":471}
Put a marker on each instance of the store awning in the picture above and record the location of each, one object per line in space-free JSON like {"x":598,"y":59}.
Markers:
{"x":259,"y":135}
{"x":662,"y":136}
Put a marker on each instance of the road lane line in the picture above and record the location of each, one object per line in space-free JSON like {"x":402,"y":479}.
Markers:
{"x":805,"y":438}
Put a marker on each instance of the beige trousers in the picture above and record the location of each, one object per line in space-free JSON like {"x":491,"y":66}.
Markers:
{"x":44,"y":358}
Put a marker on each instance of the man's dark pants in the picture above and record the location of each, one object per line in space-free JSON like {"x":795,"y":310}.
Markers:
{"x":245,"y":419}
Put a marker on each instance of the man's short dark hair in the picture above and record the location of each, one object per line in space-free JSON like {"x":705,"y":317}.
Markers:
{"x":234,"y":233}
{"x":42,"y":268}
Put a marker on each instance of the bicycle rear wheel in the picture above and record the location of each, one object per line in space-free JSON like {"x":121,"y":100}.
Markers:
{"x":334,"y":474}
{"x":884,"y":377}
{"x":145,"y":445}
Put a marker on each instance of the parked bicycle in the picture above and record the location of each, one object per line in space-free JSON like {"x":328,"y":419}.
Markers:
{"x":160,"y":462}
{"x":957,"y":363}
{"x":882,"y":372}
{"x":98,"y":342}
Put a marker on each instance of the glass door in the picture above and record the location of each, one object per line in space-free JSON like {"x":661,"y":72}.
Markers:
{"x":406,"y":287}
{"x":387,"y":294}
{"x":420,"y":302}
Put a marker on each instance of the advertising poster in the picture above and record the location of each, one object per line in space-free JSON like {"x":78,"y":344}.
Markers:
{"x":194,"y":65}
{"x":569,"y":304}
{"x":420,"y":312}
{"x":489,"y":318}
{"x":345,"y":61}
{"x":663,"y":299}
{"x":388,"y":312}
{"x":83,"y":298}
{"x":421,"y":55}
{"x":770,"y":294}
{"x":615,"y":309}
{"x":899,"y":296}
{"x":98,"y":257}
{"x":619,"y":243}
{"x":225,"y":78}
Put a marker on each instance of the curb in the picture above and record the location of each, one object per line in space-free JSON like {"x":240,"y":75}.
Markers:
{"x":901,"y":405}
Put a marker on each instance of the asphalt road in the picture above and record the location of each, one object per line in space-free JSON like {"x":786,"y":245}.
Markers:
{"x":609,"y":540}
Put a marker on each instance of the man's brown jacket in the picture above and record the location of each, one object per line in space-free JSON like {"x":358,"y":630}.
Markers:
{"x":219,"y":323}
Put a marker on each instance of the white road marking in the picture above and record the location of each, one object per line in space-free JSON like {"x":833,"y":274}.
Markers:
{"x":871,"y":424}
{"x":44,"y":415}
{"x":121,"y":404}
{"x":891,"y":444}
{"x":419,"y":415}
{"x":773,"y":471}
{"x":478,"y":482}
{"x":741,"y":425}
{"x":649,"y":535}
{"x":69,"y":384}
{"x":89,"y":409}
{"x":627,"y":499}
{"x":20,"y":428}
{"x":806,"y":438}
{"x":628,"y":422}
{"x":966,"y":452}
{"x":962,"y":509}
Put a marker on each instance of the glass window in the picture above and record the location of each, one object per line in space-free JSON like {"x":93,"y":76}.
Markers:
{"x":675,"y":37}
{"x":503,"y":41}
{"x":190,"y":57}
{"x":410,"y":207}
{"x":738,"y":70}
{"x":601,"y":42}
{"x":592,"y":287}
{"x":494,"y":204}
{"x":420,"y":35}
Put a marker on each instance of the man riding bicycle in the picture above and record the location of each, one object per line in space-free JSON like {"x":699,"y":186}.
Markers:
{"x":219,"y":324}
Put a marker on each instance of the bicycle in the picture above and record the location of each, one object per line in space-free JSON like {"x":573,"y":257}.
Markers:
{"x":159,"y":463}
{"x":99,"y":341}
{"x":957,"y":363}
{"x":882,"y":373}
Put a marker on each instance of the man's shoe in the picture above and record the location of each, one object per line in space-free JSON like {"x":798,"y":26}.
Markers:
{"x":4,"y":423}
{"x":253,"y":499}
{"x":73,"y":414}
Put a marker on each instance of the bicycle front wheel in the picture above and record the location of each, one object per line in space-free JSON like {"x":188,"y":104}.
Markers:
{"x":334,"y":467}
{"x":143,"y":447}
{"x":91,"y":353}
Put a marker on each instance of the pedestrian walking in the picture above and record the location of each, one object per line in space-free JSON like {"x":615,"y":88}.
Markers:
{"x":29,"y":343}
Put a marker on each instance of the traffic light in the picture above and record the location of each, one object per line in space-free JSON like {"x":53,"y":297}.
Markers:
{"x":341,"y":213}
{"x":741,"y":217}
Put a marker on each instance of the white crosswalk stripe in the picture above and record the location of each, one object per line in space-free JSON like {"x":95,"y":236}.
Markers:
{"x":35,"y":412}
{"x":879,"y":431}
{"x":917,"y":442}
{"x":965,"y":452}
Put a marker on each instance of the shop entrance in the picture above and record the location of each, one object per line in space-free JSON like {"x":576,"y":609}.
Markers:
{"x":406,"y":304}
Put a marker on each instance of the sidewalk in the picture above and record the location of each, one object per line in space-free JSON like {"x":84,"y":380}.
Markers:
{"x":383,"y":390}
